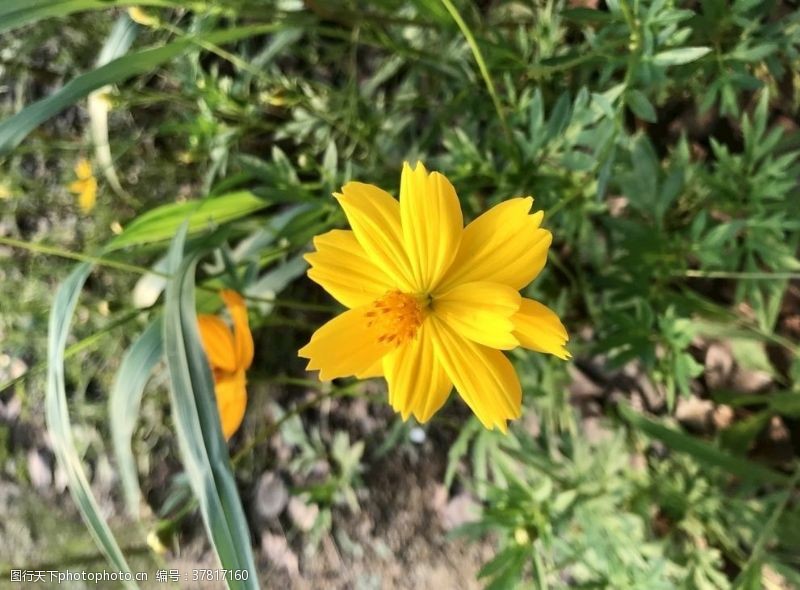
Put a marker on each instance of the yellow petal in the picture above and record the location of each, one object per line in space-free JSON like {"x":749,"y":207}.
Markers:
{"x":480,"y":312}
{"x":432,"y":224}
{"x":83,"y":169}
{"x":537,"y":327}
{"x":76,"y":186}
{"x":242,"y":337}
{"x":504,"y":245}
{"x":418,"y":384}
{"x":374,"y":216}
{"x":343,"y":269}
{"x":344,"y":346}
{"x":88,"y":195}
{"x":217,"y":342}
{"x":483,"y":376}
{"x":231,"y":393}
{"x":376,"y":370}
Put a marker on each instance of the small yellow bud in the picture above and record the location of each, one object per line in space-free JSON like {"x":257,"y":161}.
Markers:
{"x":521,"y":536}
{"x":103,"y":308}
{"x":155,"y":543}
{"x":138,"y":15}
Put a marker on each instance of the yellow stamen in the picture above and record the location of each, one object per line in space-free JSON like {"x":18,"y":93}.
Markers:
{"x":395,"y":317}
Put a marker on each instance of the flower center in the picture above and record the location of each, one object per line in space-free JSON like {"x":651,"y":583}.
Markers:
{"x":395,"y":317}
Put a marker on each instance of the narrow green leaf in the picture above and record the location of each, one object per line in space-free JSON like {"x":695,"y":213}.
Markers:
{"x":118,"y":43}
{"x":739,"y":436}
{"x":480,"y":463}
{"x":641,"y":106}
{"x":786,"y":404}
{"x":701,"y":451}
{"x":124,"y":402}
{"x":559,"y":117}
{"x":508,"y":559}
{"x":16,"y":128}
{"x":276,"y":280}
{"x":476,"y":53}
{"x":587,"y":15}
{"x":750,"y":575}
{"x":58,"y":422}
{"x":459,"y":449}
{"x":162,"y":222}
{"x":16,"y":13}
{"x":197,"y":424}
{"x":682,"y":55}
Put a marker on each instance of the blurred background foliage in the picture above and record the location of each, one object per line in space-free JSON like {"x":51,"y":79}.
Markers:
{"x":661,"y":140}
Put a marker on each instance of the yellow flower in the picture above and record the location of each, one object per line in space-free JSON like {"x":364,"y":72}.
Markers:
{"x":432,"y":303}
{"x":86,"y":185}
{"x":230,"y":354}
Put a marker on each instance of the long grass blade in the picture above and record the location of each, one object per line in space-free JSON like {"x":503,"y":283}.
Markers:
{"x":203,"y":449}
{"x":162,"y":222}
{"x":117,"y":44}
{"x":58,"y":422}
{"x":476,"y":53}
{"x":16,"y":128}
{"x":702,"y":451}
{"x":16,"y":13}
{"x":124,"y":403}
{"x":750,"y":575}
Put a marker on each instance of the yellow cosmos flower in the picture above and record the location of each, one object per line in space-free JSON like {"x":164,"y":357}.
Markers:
{"x":230,"y":354}
{"x":432,"y":303}
{"x":86,"y":186}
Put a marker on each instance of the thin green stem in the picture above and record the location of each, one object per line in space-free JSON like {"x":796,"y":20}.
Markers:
{"x":110,"y":263}
{"x":724,"y":274}
{"x":74,"y":349}
{"x":271,"y":429}
{"x":55,"y":251}
{"x":476,"y":53}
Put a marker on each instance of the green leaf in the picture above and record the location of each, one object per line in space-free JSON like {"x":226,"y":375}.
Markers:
{"x":786,"y":404}
{"x":751,"y":574}
{"x":58,"y":422}
{"x":701,"y":451}
{"x":117,"y":44}
{"x":480,"y":463}
{"x":683,"y":55}
{"x":124,"y":402}
{"x":197,"y":424}
{"x":16,"y":128}
{"x":478,"y":55}
{"x":278,"y":278}
{"x":506,"y":568}
{"x":162,"y":222}
{"x":459,"y":449}
{"x":753,"y":54}
{"x":559,"y":117}
{"x":739,"y":436}
{"x":508,"y":559}
{"x":15,"y":13}
{"x":641,"y":106}
{"x":587,"y":15}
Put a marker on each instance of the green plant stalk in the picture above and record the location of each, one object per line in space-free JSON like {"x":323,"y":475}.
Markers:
{"x":124,"y":266}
